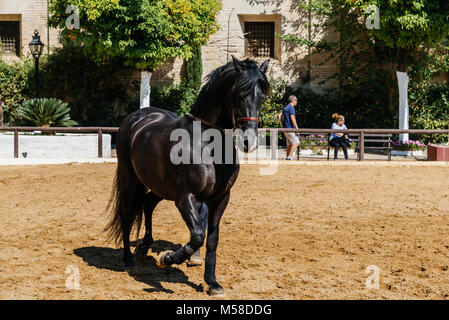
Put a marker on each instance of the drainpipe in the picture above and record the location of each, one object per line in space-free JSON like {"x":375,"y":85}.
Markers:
{"x":227,"y":49}
{"x":48,"y":28}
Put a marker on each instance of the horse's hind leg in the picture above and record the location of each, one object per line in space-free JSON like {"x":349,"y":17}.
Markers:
{"x":150,"y":202}
{"x":134,"y":204}
{"x":130,"y":195}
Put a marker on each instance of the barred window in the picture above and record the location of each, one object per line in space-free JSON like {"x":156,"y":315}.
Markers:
{"x":259,"y":39}
{"x":10,"y":37}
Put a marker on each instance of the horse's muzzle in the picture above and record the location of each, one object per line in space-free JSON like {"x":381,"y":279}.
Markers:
{"x":248,"y":139}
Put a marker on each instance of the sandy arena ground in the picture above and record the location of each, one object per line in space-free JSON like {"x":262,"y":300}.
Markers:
{"x":308,"y":232}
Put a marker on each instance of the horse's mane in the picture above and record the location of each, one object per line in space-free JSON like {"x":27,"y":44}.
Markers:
{"x":224,"y":76}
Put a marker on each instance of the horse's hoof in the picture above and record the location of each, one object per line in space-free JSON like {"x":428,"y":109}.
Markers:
{"x":215,"y":290}
{"x":195,"y":260}
{"x":132,"y":270}
{"x":140,"y":254}
{"x":130,"y":266}
{"x":160,"y":261}
{"x":139,"y":258}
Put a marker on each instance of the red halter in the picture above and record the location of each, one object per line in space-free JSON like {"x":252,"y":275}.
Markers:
{"x":246,"y":119}
{"x":210,"y":124}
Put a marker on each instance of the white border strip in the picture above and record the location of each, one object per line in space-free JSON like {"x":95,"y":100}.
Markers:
{"x":395,"y":163}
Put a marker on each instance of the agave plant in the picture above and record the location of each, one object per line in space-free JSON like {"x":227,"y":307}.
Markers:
{"x":46,"y":113}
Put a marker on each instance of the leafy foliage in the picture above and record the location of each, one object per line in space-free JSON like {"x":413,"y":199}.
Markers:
{"x":408,"y":24}
{"x":176,"y":98}
{"x":46,"y":113}
{"x":97,"y":94}
{"x":144,"y":33}
{"x":194,"y":69}
{"x":429,"y":109}
{"x":15,"y":87}
{"x":411,"y":34}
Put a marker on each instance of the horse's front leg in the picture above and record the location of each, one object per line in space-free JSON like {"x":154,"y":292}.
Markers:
{"x":215,"y":213}
{"x":187,"y":205}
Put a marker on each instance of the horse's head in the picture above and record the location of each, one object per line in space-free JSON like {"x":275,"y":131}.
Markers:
{"x":249,"y":92}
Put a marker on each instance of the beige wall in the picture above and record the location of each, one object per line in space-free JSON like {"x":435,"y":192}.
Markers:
{"x":33,"y":16}
{"x":290,"y":61}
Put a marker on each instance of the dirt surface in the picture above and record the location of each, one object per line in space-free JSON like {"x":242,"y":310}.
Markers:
{"x":308,"y":232}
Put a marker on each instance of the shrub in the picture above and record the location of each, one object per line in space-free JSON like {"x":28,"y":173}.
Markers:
{"x":15,"y":87}
{"x":177,"y":98}
{"x":313,"y":110}
{"x":429,"y":109}
{"x":98,"y":94}
{"x":46,"y":113}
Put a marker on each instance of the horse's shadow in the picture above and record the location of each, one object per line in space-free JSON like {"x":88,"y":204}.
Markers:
{"x":147,"y":271}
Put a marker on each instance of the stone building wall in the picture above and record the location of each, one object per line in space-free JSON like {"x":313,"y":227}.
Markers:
{"x":290,"y":62}
{"x":32,"y":15}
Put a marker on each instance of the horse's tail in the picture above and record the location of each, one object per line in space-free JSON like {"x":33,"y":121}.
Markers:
{"x":127,"y":199}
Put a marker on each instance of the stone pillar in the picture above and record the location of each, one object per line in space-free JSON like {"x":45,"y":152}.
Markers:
{"x":403,"y":104}
{"x":145,"y":89}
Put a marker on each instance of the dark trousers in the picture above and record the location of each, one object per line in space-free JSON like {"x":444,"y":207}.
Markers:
{"x":204,"y":212}
{"x":338,"y":142}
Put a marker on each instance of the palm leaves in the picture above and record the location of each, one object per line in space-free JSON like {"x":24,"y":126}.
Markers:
{"x":46,"y":113}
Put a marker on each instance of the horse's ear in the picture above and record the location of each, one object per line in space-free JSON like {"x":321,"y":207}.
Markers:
{"x":264,"y":66}
{"x":237,"y":64}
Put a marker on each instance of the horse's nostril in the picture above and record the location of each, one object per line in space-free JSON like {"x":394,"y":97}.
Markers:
{"x":246,"y":144}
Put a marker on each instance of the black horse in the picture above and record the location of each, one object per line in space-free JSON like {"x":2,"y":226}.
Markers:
{"x":231,"y":98}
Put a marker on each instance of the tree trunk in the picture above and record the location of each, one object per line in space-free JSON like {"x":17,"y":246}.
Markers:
{"x":145,"y":89}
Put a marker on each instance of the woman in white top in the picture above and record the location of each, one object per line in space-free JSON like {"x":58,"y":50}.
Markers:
{"x":337,"y":140}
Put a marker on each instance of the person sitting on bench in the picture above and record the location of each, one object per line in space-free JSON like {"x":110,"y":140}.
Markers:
{"x":338,"y":140}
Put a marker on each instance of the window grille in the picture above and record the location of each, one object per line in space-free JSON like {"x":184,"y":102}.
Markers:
{"x":10,"y":37}
{"x":259,"y":39}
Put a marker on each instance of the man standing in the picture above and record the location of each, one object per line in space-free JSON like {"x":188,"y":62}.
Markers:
{"x":287,"y":118}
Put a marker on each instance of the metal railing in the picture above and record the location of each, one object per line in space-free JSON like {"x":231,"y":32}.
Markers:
{"x":273,"y":132}
{"x":360,"y":133}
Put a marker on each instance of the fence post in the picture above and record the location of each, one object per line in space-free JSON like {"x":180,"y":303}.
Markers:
{"x":298,"y":150}
{"x":362,"y":145}
{"x":100,"y":143}
{"x":274,"y":144}
{"x":1,"y":113}
{"x":16,"y":143}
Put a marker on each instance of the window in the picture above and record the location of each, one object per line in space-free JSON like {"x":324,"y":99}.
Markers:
{"x":10,"y":37}
{"x":259,"y":39}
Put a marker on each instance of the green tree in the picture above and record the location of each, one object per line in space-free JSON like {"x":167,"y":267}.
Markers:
{"x":194,"y":69}
{"x":144,"y":33}
{"x":405,"y":28}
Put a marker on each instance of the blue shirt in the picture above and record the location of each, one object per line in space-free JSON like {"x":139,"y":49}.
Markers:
{"x":336,"y":127}
{"x":287,"y":121}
